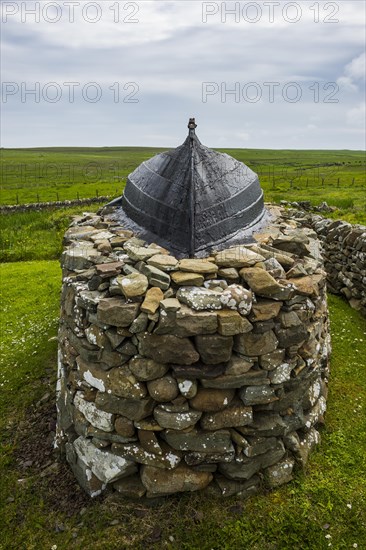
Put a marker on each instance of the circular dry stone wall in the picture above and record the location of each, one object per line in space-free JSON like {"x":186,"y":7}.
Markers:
{"x":192,"y":374}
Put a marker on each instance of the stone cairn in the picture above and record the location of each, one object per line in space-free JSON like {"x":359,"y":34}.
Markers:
{"x":184,"y":375}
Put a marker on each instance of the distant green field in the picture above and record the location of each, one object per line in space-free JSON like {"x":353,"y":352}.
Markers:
{"x":50,"y":174}
{"x":30,"y":175}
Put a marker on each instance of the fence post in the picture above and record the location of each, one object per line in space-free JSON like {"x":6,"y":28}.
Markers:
{"x":77,"y":194}
{"x":57,"y":196}
{"x":37,"y":197}
{"x":17,"y":199}
{"x":96,"y":192}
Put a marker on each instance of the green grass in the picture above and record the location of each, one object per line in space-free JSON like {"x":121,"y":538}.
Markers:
{"x":36,"y":235}
{"x":329,"y":500}
{"x":28,"y":318}
{"x":29,"y":175}
{"x":50,"y":174}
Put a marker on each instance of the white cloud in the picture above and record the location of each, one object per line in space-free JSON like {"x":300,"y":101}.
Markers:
{"x":357,"y":115}
{"x":346,"y":83}
{"x":354,"y":73}
{"x":356,"y":69}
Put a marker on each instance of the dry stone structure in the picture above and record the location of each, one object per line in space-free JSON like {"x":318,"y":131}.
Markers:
{"x":344,"y":253}
{"x":190,"y":374}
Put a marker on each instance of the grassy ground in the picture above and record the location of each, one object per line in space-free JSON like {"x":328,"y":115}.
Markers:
{"x":30,"y":175}
{"x":324,"y":508}
{"x":36,"y":235}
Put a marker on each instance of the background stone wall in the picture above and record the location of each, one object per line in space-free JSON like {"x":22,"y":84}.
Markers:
{"x":193,"y":374}
{"x":34,"y":206}
{"x":344,"y":252}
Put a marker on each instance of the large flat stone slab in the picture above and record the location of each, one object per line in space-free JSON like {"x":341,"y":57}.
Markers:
{"x":115,"y":311}
{"x":105,"y":466}
{"x":168,"y":349}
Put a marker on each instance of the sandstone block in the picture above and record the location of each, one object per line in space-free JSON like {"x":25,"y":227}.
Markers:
{"x":238,"y":256}
{"x":197,"y":266}
{"x":134,"y":409}
{"x":232,"y":416}
{"x":279,"y":473}
{"x":99,"y":419}
{"x":211,"y":399}
{"x":176,"y":420}
{"x":114,"y":311}
{"x":237,"y":298}
{"x":263,"y":284}
{"x":199,"y":441}
{"x":124,"y":426}
{"x":133,"y":285}
{"x":254,"y":344}
{"x":182,"y":278}
{"x":264,"y":310}
{"x":160,"y":482}
{"x":147,"y":369}
{"x":156,"y":277}
{"x":215,"y":348}
{"x":130,"y":487}
{"x":164,"y":262}
{"x":168,"y":349}
{"x":152,"y":300}
{"x":257,"y":395}
{"x":231,"y":323}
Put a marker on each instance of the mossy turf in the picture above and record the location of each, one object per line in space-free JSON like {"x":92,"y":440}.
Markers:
{"x":42,"y":508}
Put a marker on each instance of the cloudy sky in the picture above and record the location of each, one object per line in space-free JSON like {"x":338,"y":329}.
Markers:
{"x":258,"y":74}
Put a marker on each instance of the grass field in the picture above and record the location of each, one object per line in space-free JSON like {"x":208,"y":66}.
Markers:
{"x":35,"y":235}
{"x":41,"y":506}
{"x":32,"y":175}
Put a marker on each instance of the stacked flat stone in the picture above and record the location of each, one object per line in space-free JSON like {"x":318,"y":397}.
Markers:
{"x":184,"y":375}
{"x":344,"y":253}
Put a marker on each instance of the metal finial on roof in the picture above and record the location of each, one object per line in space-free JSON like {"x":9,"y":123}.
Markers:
{"x":192,"y":202}
{"x":192,"y":126}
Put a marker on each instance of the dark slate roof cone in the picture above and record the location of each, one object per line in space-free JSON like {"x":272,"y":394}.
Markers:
{"x":192,"y":199}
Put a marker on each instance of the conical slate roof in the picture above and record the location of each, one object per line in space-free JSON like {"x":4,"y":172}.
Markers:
{"x":191,"y":199}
